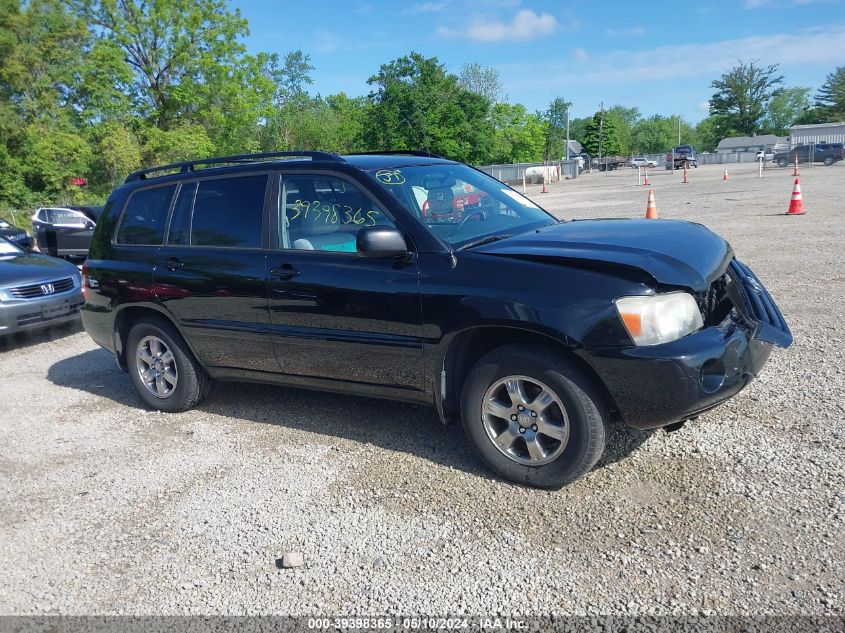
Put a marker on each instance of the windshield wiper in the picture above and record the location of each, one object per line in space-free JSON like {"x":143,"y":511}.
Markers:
{"x":484,"y":240}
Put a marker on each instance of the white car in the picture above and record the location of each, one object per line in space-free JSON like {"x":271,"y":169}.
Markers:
{"x":642,"y":161}
{"x":765,"y":155}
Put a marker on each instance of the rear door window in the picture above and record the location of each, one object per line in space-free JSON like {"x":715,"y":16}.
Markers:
{"x":229,"y":212}
{"x":145,"y":217}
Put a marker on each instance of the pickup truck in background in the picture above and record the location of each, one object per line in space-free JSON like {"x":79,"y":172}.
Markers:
{"x":680,"y":156}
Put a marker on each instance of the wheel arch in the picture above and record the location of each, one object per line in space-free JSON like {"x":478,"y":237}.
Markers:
{"x":468,"y":346}
{"x":128,"y":315}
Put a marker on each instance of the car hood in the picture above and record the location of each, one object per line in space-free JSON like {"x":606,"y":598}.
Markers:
{"x":672,"y":252}
{"x":30,"y":268}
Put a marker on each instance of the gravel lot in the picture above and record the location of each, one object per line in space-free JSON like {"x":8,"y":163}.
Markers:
{"x":106,"y":507}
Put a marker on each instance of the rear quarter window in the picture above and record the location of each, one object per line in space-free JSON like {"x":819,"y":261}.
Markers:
{"x":145,"y":217}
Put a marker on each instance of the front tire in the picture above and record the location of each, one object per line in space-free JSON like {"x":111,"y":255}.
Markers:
{"x":533,"y":417}
{"x":162,"y":367}
{"x":828,"y":161}
{"x":782,"y":162}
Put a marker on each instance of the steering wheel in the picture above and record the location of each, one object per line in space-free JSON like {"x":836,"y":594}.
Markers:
{"x":477,"y":212}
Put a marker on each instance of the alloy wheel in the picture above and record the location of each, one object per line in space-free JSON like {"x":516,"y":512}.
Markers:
{"x":525,"y":420}
{"x":156,"y":366}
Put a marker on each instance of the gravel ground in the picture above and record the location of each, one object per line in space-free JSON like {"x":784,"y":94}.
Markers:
{"x":108,"y":508}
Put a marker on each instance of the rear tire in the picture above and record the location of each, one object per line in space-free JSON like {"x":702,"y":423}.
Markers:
{"x":162,"y":367}
{"x":828,"y":161}
{"x":570,"y":425}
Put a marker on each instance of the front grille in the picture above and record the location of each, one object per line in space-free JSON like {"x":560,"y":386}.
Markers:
{"x":756,"y":305}
{"x":715,"y":304}
{"x":35,"y":291}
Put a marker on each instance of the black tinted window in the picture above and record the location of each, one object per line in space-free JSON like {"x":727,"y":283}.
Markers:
{"x":228,"y":212}
{"x":145,"y":216}
{"x":180,"y":223}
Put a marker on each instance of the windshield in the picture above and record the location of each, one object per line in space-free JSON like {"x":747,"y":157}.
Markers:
{"x":459,"y":204}
{"x":7,"y":248}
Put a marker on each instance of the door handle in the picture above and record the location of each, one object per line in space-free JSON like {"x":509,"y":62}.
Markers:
{"x":284,"y":272}
{"x":171,"y":263}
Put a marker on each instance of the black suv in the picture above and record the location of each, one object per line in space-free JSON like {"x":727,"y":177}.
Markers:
{"x":412,"y":277}
{"x":827,"y":153}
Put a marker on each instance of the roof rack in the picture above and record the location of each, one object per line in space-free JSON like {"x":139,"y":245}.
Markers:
{"x":188,"y":166}
{"x":399,"y":152}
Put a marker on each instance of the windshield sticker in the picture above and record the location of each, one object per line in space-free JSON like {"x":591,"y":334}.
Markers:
{"x":510,"y":193}
{"x":390,"y":177}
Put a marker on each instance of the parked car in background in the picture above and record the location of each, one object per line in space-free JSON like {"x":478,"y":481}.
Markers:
{"x":64,"y":231}
{"x":36,"y":290}
{"x":827,"y":153}
{"x":642,"y":161}
{"x":360,"y":274}
{"x":16,"y":235}
{"x":680,"y":156}
{"x":766,"y":156}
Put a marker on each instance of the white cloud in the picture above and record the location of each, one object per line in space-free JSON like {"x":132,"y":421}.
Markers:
{"x":364,"y":8}
{"x":634,"y":31}
{"x":525,"y":26}
{"x":428,"y":7}
{"x":327,"y":42}
{"x":580,"y":55}
{"x":796,"y":49}
{"x":756,"y":4}
{"x":704,"y":106}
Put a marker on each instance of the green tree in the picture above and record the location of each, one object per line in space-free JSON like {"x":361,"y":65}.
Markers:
{"x":707,"y":134}
{"x":830,"y":99}
{"x":416,"y":104}
{"x":601,"y":136}
{"x":183,"y":142}
{"x":518,"y":136}
{"x":656,"y":134}
{"x":482,"y":80}
{"x":784,"y":108}
{"x":624,"y":120}
{"x":291,"y":76}
{"x":41,"y":46}
{"x":118,"y":152}
{"x":554,"y":119}
{"x":173,"y":47}
{"x":742,"y":94}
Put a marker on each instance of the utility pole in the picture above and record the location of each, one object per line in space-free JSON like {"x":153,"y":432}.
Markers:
{"x":601,"y":128}
{"x":567,"y":132}
{"x":679,"y":129}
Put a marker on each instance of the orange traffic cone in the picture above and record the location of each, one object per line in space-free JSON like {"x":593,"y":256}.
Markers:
{"x":685,"y":180}
{"x":651,"y":206}
{"x":795,"y":170}
{"x":646,"y":183}
{"x":725,"y":175}
{"x":796,"y":205}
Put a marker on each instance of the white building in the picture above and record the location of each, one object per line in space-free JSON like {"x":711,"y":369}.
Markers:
{"x":816,"y":133}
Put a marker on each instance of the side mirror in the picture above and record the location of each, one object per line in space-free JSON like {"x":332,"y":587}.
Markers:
{"x":380,"y":242}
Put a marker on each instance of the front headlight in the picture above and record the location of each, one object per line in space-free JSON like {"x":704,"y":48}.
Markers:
{"x":660,"y":318}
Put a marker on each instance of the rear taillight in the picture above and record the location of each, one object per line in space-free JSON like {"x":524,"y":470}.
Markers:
{"x":85,"y":281}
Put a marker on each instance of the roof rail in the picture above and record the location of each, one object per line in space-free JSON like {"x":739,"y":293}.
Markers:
{"x":399,"y":152}
{"x":188,"y":166}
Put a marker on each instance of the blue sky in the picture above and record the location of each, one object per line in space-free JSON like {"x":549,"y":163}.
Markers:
{"x":659,"y":56}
